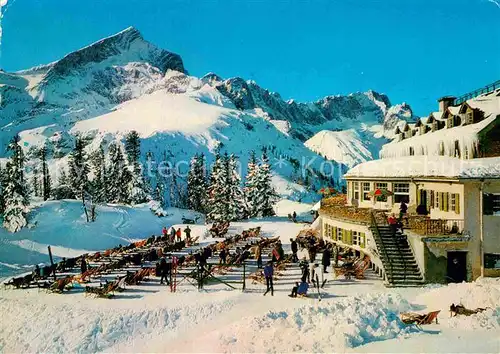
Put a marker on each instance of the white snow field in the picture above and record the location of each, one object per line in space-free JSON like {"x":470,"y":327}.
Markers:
{"x":353,"y":316}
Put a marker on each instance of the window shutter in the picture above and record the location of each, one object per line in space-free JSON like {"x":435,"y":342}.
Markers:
{"x":362,"y":242}
{"x":446,"y":201}
{"x":334,"y":235}
{"x":441,"y":200}
{"x":432,"y":201}
{"x":418,"y":196}
{"x":349,"y":237}
{"x":457,"y":203}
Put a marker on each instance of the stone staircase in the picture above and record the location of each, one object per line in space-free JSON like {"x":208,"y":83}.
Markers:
{"x":400,"y":266}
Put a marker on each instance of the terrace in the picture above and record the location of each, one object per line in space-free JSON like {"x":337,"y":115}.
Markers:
{"x":336,"y":207}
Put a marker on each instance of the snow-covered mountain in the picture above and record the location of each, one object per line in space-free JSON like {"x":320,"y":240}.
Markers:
{"x":124,"y":83}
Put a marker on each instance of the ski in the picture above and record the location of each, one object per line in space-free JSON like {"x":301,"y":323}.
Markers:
{"x":317,"y":287}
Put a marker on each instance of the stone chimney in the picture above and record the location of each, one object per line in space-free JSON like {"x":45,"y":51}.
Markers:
{"x":445,"y":102}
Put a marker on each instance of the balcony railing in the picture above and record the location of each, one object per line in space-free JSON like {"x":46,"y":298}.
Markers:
{"x":425,"y":226}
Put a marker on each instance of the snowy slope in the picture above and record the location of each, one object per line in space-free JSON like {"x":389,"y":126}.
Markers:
{"x":348,"y":147}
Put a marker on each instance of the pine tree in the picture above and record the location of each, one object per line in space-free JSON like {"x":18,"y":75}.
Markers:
{"x":78,"y":169}
{"x":118,"y":177}
{"x":46,"y":181}
{"x":251,"y":185}
{"x":133,"y":150}
{"x":266,"y":195}
{"x":15,"y":193}
{"x":37,"y":188}
{"x":63,"y":189}
{"x":3,"y":184}
{"x":216,"y":191}
{"x":15,"y":202}
{"x":197,"y":184}
{"x":97,"y":164}
{"x":235,"y":199}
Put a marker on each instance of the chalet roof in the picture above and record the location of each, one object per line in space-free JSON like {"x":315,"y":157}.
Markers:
{"x":427,"y":166}
{"x":454,"y":109}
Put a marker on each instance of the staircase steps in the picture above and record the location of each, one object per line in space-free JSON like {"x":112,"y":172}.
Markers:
{"x":400,"y":266}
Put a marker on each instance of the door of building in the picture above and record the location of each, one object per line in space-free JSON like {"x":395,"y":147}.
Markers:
{"x":457,"y":267}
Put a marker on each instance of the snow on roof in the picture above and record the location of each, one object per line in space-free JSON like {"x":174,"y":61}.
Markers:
{"x":438,"y":142}
{"x":437,"y":115}
{"x":428,"y":166}
{"x":454,"y":109}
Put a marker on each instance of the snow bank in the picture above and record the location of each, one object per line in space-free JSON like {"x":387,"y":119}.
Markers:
{"x":328,"y":327}
{"x":483,"y":293}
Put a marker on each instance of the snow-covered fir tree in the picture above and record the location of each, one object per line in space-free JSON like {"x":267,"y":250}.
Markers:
{"x":46,"y":181}
{"x":3,"y":183}
{"x":78,"y":169}
{"x":15,"y":201}
{"x":133,"y":150}
{"x":251,"y":190}
{"x":216,"y":201}
{"x":118,"y":176}
{"x":197,"y":184}
{"x":63,"y":188}
{"x":97,"y":164}
{"x":36,"y":185}
{"x":235,"y":199}
{"x":15,"y":193}
{"x":266,"y":195}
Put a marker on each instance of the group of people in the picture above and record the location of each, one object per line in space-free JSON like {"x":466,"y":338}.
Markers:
{"x":173,"y":235}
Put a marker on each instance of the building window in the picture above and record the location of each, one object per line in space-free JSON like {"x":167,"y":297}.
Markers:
{"x":356,"y":190}
{"x":339,"y":234}
{"x":469,"y":118}
{"x":453,"y":202}
{"x":366,"y":191}
{"x":401,"y":192}
{"x":412,"y":151}
{"x":491,"y":204}
{"x":492,"y":260}
{"x":381,"y":186}
{"x":355,"y":238}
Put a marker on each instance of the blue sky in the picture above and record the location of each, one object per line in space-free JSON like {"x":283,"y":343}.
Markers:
{"x":412,"y":50}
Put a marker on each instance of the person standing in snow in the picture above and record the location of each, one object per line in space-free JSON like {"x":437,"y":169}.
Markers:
{"x":325,"y":259}
{"x":258,"y":256}
{"x":222,"y":256}
{"x":304,"y":266}
{"x":293,"y":245}
{"x":164,"y":232}
{"x":83,"y":266}
{"x":163,"y":271}
{"x":294,"y":216}
{"x":178,"y":233}
{"x":268,"y":274}
{"x":187,"y":231}
{"x":319,"y":274}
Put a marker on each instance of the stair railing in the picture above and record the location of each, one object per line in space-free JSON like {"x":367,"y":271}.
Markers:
{"x":378,"y":237}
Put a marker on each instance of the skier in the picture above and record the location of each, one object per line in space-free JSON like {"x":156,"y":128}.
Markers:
{"x":164,"y":232}
{"x":294,"y":247}
{"x":325,"y":259}
{"x":294,"y":216}
{"x":319,"y":273}
{"x":83,"y":266}
{"x":268,"y":274}
{"x":178,"y":233}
